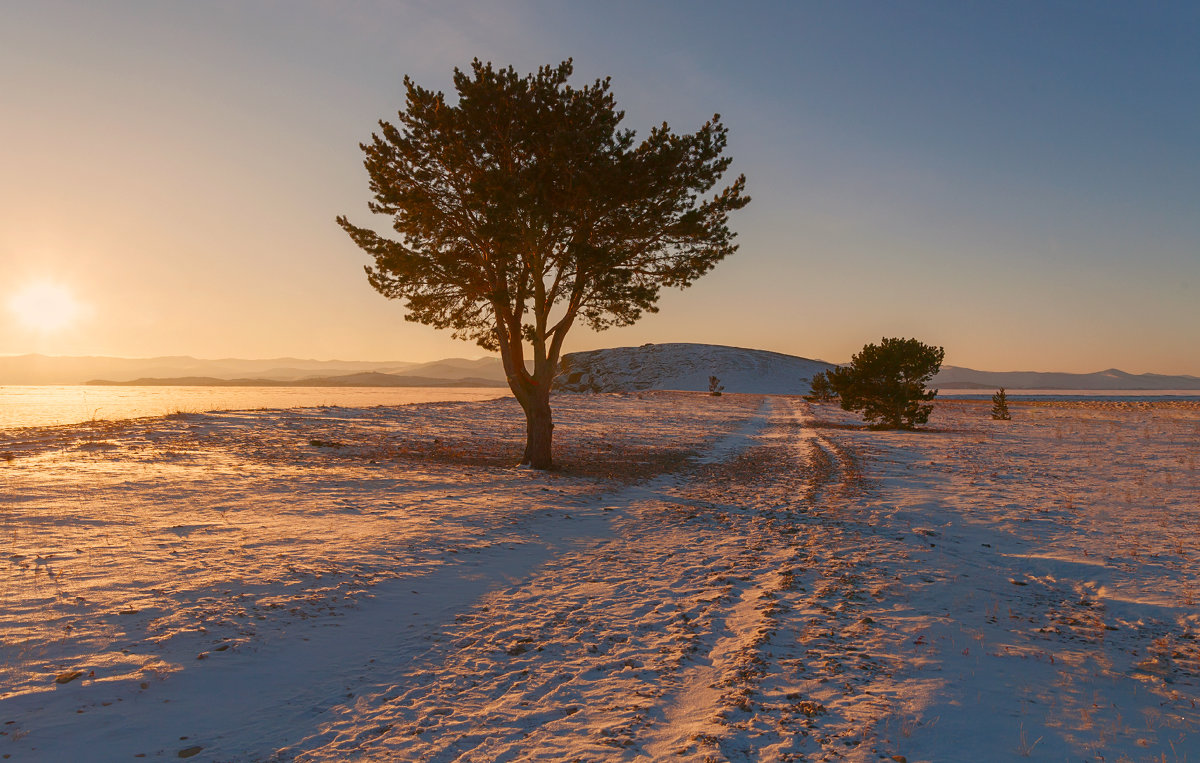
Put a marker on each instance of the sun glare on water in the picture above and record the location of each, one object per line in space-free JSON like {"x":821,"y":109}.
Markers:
{"x":44,"y":306}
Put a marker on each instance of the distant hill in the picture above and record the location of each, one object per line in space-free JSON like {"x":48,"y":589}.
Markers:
{"x":953,"y":377}
{"x":684,"y":366}
{"x":460,"y":368}
{"x":376,"y":379}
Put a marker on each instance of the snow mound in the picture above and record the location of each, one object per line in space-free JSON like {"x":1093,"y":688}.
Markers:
{"x":686,"y":367}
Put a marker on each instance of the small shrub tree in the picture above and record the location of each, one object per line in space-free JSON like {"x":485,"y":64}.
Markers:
{"x":821,"y":391}
{"x":886,"y":382}
{"x":1000,"y":406}
{"x":715,"y":387}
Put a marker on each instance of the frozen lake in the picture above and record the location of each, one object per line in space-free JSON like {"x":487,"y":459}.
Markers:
{"x":27,"y":406}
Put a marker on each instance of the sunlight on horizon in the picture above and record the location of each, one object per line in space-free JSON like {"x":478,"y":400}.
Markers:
{"x":45,"y":306}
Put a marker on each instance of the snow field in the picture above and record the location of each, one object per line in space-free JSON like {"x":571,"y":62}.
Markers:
{"x":143,"y":552}
{"x":734,"y":578}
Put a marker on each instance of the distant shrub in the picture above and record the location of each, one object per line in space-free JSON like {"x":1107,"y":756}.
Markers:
{"x":1000,"y":406}
{"x":714,"y":386}
{"x":821,"y":389}
{"x":886,"y":382}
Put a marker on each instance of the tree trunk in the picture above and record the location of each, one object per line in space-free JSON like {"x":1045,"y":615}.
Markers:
{"x":539,"y":428}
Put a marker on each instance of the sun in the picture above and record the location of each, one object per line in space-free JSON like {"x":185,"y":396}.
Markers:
{"x":44,"y":306}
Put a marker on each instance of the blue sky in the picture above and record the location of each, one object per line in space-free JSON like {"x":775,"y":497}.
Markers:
{"x":1018,"y":182}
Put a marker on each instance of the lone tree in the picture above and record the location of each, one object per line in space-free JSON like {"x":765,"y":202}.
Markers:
{"x":1000,"y":406}
{"x":715,"y":387}
{"x":820,"y":389}
{"x":886,"y":382}
{"x":523,"y":208}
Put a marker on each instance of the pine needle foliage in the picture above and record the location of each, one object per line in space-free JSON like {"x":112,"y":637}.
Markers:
{"x":821,"y":391}
{"x":1000,"y":406}
{"x":524,"y":207}
{"x":886,"y":382}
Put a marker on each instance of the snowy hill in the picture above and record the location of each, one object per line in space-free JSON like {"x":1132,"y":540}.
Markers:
{"x":686,"y":367}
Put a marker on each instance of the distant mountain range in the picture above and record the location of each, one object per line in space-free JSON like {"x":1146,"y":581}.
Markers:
{"x":365,"y":379}
{"x":188,"y":371}
{"x":953,"y":377}
{"x":680,"y":366}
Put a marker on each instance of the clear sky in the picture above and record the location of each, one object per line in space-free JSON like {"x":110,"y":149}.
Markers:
{"x":1018,"y":182}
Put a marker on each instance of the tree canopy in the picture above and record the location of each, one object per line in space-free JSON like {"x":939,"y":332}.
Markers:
{"x":524,"y":207}
{"x":886,"y":382}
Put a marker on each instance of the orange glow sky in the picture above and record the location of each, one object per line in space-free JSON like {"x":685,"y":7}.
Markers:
{"x":1019,"y":183}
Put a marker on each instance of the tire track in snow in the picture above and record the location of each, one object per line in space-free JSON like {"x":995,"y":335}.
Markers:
{"x":694,"y":714}
{"x":716,"y":623}
{"x":761,"y":610}
{"x":533,"y":653}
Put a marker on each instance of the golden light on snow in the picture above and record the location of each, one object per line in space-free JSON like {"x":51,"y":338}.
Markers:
{"x":45,"y":306}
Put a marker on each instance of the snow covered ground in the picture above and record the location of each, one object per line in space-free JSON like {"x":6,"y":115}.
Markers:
{"x":732,"y":578}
